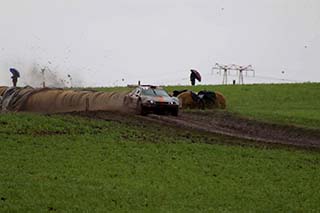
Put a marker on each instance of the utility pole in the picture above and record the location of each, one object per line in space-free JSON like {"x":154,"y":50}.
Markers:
{"x":223,"y":68}
{"x":43,"y":77}
{"x":242,"y":69}
{"x":227,"y":68}
{"x":225,"y":75}
{"x":240,"y":77}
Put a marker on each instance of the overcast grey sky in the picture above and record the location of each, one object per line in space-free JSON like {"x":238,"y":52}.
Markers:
{"x":114,"y":42}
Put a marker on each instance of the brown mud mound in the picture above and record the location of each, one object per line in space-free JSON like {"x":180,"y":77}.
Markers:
{"x":224,"y":123}
{"x":55,"y":100}
{"x":191,"y":100}
{"x":2,"y":90}
{"x":58,"y":100}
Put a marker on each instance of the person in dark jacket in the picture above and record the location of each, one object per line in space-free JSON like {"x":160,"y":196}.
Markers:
{"x":14,"y":80}
{"x":193,"y":78}
{"x":15,"y":76}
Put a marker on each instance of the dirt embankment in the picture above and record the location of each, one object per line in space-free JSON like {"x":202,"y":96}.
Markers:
{"x":224,"y":123}
{"x":55,"y":100}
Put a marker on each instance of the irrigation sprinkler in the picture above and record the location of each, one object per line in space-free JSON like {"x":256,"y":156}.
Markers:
{"x":239,"y":69}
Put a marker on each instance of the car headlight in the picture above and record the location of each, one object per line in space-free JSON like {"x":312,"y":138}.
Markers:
{"x":172,"y":102}
{"x":151,"y":101}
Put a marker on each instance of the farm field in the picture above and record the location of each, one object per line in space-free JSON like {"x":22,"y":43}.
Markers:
{"x":71,"y":163}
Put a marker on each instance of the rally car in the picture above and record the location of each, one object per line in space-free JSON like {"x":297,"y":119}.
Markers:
{"x":152,"y":99}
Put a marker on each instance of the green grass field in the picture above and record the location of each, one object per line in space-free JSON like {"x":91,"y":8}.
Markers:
{"x":71,"y":164}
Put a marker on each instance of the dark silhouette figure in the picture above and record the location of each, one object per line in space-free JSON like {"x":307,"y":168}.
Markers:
{"x":14,"y":80}
{"x":193,"y":78}
{"x":15,"y":76}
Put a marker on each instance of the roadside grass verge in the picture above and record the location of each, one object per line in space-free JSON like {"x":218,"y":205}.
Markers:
{"x":68,"y":163}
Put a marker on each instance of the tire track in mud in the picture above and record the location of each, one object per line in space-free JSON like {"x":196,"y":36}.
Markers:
{"x":244,"y":129}
{"x":226,"y":124}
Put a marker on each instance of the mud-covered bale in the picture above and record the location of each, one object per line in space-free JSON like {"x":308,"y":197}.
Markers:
{"x":212,"y":100}
{"x":2,"y":90}
{"x":220,"y":101}
{"x":58,"y":100}
{"x":13,"y":98}
{"x":107,"y":101}
{"x":207,"y":99}
{"x":187,"y":101}
{"x":175,"y":93}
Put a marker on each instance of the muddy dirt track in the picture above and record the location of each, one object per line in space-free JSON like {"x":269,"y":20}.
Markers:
{"x":224,"y":123}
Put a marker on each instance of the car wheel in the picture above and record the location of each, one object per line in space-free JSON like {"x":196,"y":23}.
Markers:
{"x":175,"y":112}
{"x":140,"y":108}
{"x":125,"y":101}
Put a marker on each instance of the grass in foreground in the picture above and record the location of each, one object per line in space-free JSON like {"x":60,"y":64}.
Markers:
{"x":66,"y":163}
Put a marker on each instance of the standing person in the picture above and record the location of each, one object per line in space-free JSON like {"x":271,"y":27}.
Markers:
{"x":15,"y":76}
{"x":14,"y":80}
{"x":193,"y":78}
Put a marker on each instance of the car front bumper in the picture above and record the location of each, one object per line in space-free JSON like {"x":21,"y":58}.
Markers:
{"x":160,"y":107}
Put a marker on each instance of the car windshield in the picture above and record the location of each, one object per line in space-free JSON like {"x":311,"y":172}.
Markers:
{"x":154,"y":92}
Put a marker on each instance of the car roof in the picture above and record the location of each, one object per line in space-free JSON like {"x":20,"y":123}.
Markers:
{"x":149,"y":87}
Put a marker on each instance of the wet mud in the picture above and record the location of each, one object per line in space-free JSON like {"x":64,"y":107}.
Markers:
{"x":226,"y":124}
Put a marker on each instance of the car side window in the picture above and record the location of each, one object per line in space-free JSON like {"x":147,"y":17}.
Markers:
{"x":138,"y":91}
